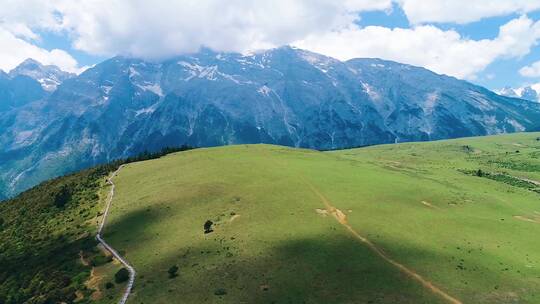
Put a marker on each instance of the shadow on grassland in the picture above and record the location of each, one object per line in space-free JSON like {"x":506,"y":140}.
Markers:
{"x":327,"y":270}
{"x":136,"y":222}
{"x":331,"y":268}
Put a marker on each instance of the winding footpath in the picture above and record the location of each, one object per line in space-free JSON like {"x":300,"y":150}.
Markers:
{"x":108,"y":247}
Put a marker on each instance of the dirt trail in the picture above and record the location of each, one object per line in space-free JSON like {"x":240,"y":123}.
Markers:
{"x":526,"y":219}
{"x":531,"y":181}
{"x":342,"y":219}
{"x":234,"y":217}
{"x":131,"y":270}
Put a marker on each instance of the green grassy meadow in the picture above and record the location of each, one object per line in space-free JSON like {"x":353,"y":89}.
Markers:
{"x":275,"y":240}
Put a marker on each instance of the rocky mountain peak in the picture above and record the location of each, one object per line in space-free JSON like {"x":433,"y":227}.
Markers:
{"x":49,"y":76}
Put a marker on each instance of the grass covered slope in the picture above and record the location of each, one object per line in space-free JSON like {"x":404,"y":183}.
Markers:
{"x":450,"y":221}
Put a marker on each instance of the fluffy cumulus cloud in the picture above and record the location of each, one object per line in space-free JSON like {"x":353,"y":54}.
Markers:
{"x":441,"y":51}
{"x":161,"y":28}
{"x":368,"y":5}
{"x":532,"y":70}
{"x":19,"y":21}
{"x":22,"y":18}
{"x":463,"y":11}
{"x":15,"y":50}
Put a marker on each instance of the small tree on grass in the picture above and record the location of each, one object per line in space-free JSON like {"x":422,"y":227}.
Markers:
{"x":208,"y":226}
{"x":480,"y":173}
{"x":121,"y":276}
{"x":173,"y":271}
{"x":220,"y":292}
{"x":109,"y":285}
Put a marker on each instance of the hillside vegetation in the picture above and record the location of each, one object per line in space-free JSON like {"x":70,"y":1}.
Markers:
{"x":440,"y":222}
{"x":48,"y":251}
{"x":47,"y":246}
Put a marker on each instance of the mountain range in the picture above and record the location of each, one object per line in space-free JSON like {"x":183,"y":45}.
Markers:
{"x":52,"y":122}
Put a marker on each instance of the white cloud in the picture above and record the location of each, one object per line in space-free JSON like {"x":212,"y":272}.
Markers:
{"x":368,"y":5}
{"x":14,"y":50}
{"x":162,"y":28}
{"x":463,"y":11}
{"x":19,"y":21}
{"x":22,"y":17}
{"x":532,"y":70}
{"x":442,"y":51}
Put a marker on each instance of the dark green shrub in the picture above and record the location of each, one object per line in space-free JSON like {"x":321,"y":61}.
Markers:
{"x":173,"y":271}
{"x":220,"y":292}
{"x":208,"y":226}
{"x":109,"y":285}
{"x":121,"y":276}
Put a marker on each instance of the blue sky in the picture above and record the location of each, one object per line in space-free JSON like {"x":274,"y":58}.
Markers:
{"x":449,"y":37}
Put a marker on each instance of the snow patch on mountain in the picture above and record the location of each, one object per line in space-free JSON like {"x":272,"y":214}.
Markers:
{"x":133,"y":73}
{"x":264,"y":90}
{"x":250,"y":61}
{"x":378,"y":65}
{"x":148,"y":110}
{"x":210,"y":72}
{"x":320,"y":62}
{"x":371,"y":91}
{"x":198,"y":71}
{"x":152,"y":87}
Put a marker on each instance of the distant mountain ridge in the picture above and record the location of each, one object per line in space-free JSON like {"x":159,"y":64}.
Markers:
{"x":48,"y":76}
{"x":530,"y":92}
{"x":285,"y":96}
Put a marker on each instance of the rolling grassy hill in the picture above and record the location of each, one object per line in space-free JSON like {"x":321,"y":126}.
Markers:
{"x":441,"y":222}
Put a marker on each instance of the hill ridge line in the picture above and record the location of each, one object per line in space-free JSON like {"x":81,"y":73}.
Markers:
{"x":122,"y":260}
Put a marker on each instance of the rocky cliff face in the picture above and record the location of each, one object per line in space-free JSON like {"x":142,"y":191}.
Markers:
{"x":285,"y":96}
